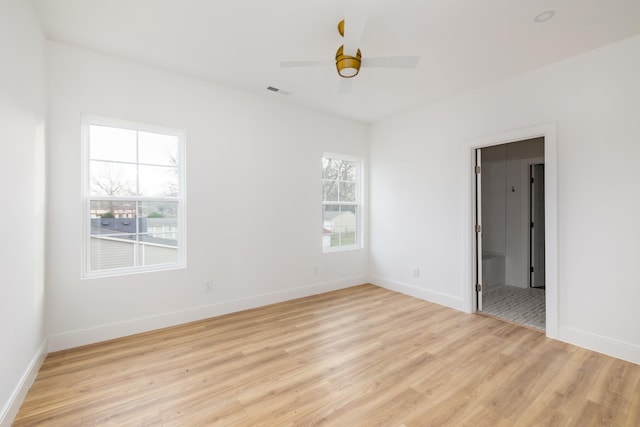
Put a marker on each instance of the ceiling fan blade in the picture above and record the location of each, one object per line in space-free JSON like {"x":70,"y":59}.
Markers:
{"x":344,"y":86}
{"x":292,"y":64}
{"x":391,"y":62}
{"x":353,"y":30}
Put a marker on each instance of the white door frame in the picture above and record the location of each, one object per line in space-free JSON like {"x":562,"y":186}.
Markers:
{"x":549,"y":132}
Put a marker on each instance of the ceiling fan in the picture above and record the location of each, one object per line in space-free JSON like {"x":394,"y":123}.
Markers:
{"x":349,"y":57}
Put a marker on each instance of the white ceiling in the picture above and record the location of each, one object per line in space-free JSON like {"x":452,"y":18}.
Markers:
{"x":463,"y":44}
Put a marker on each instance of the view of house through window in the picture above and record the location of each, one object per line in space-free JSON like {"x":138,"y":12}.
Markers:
{"x":340,"y":202}
{"x":133,"y":201}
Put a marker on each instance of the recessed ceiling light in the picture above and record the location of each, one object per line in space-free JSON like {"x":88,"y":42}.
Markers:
{"x":544,"y":16}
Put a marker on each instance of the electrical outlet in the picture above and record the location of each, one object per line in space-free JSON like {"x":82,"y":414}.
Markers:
{"x":415,"y":271}
{"x":315,"y":270}
{"x":208,"y":286}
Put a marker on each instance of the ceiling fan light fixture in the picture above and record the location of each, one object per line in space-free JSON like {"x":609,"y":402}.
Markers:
{"x":348,"y":66}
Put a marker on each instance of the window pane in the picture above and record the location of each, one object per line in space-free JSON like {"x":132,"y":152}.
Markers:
{"x":112,"y":252}
{"x":156,"y":236}
{"x":158,"y":249}
{"x":158,"y":181}
{"x":330,"y":191}
{"x":347,"y":191}
{"x":112,"y":179}
{"x":347,"y":171}
{"x":339,"y":226}
{"x":157,"y":149}
{"x":347,"y":225}
{"x":159,"y":223}
{"x":330,"y":212}
{"x":115,"y":215}
{"x":160,"y":209}
{"x":107,"y":143}
{"x":330,"y":168}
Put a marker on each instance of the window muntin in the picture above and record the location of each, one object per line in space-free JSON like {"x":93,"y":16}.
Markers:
{"x":134,"y":198}
{"x":341,"y":202}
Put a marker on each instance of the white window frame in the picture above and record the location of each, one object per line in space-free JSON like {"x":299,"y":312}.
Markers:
{"x":89,"y":120}
{"x":358,"y":203}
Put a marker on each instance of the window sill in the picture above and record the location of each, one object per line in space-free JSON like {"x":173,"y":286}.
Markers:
{"x":341,"y":249}
{"x":129,"y":271}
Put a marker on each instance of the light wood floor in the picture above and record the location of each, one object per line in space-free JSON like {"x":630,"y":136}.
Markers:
{"x":363,"y":356}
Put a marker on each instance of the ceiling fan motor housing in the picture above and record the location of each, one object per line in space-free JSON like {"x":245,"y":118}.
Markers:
{"x":348,"y":66}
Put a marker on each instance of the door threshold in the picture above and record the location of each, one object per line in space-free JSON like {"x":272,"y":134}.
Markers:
{"x":493,"y":316}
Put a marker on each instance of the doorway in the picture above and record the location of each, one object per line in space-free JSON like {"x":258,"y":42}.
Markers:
{"x":510,"y":230}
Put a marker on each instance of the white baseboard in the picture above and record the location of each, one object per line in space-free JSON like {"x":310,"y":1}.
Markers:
{"x":78,"y":338}
{"x":601,"y":344}
{"x":12,"y":407}
{"x":414,"y":291}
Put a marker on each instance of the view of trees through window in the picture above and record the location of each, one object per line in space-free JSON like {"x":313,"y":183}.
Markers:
{"x":340,"y":200}
{"x":133,"y":199}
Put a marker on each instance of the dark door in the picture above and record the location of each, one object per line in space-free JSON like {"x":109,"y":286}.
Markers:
{"x":537,"y":226}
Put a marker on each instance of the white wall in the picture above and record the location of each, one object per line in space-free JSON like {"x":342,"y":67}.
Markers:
{"x":253,"y":217}
{"x":22,"y":195}
{"x":421,"y":192}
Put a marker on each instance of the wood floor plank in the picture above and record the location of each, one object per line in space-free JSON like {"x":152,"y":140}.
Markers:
{"x":633,"y":419}
{"x":362,"y":356}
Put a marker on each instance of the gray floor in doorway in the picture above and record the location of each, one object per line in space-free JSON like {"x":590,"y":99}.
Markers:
{"x":521,"y":305}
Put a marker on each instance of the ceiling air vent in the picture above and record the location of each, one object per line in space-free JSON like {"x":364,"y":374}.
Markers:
{"x":278,"y":90}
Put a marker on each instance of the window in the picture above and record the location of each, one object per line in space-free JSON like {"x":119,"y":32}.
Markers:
{"x":341,"y":202}
{"x":134,"y":204}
